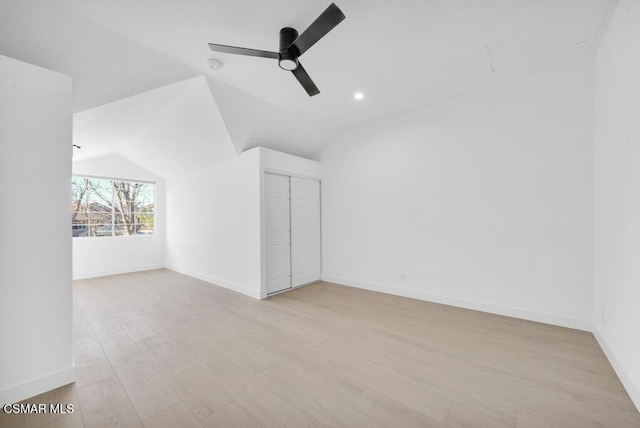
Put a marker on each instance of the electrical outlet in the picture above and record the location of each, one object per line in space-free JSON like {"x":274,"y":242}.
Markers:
{"x":403,"y":277}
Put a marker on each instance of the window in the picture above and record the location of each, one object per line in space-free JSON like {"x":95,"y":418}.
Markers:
{"x":109,"y":207}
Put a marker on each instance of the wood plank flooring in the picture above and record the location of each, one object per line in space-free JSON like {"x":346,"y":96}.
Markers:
{"x":160,"y":349}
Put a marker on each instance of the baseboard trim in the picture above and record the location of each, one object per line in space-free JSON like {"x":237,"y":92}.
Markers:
{"x":108,"y":272}
{"x":632,"y":388}
{"x":542,"y":317}
{"x":217,"y":281}
{"x":33,"y":387}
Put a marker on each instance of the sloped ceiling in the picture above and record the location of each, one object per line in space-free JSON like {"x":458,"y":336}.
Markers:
{"x":167,"y":131}
{"x":402,"y":55}
{"x":104,"y":65}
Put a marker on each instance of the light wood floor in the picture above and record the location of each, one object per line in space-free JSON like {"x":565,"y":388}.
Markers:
{"x":159,"y":349}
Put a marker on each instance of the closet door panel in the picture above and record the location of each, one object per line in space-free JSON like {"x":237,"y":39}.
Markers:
{"x":278,"y":228}
{"x":305,"y":231}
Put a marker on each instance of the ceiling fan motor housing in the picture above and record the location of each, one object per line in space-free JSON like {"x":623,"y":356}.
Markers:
{"x":288,"y":52}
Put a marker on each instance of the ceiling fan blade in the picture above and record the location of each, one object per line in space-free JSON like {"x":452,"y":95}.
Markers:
{"x":305,"y":80}
{"x":243,"y":51}
{"x":327,"y":20}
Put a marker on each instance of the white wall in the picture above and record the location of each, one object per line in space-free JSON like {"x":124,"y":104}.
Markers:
{"x":93,"y":257}
{"x":35,"y":248}
{"x":215,"y":219}
{"x":213,"y":224}
{"x":484,"y":201}
{"x":617,"y":195}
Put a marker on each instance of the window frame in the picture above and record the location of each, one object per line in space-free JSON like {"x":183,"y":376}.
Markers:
{"x":113,"y":209}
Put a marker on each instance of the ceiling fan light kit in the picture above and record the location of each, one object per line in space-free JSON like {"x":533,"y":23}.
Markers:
{"x":293,"y":46}
{"x":288,"y":60}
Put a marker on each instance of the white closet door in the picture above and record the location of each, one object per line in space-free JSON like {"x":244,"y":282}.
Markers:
{"x":278,"y":224}
{"x":305,"y":231}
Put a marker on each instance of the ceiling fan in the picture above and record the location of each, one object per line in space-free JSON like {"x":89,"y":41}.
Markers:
{"x":292,"y":46}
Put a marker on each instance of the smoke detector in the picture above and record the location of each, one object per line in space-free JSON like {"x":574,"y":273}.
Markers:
{"x":215,"y":64}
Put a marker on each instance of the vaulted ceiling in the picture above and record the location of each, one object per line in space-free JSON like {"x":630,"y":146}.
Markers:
{"x":402,"y":55}
{"x":168,"y":131}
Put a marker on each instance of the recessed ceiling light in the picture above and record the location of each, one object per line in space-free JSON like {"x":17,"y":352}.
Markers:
{"x":358,"y":95}
{"x":215,"y":64}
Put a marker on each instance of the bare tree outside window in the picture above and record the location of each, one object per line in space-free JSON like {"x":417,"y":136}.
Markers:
{"x":103,"y":207}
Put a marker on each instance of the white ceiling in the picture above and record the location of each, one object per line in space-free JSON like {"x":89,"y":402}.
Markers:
{"x":402,"y":54}
{"x":167,"y":131}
